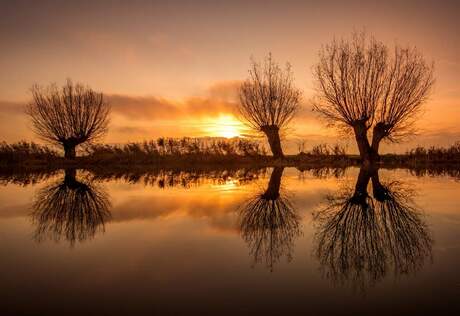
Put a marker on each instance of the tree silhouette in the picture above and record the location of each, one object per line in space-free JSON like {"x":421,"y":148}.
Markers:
{"x":361,"y":85}
{"x":269,"y":100}
{"x":72,"y":210}
{"x":269,"y":223}
{"x":360,"y":237}
{"x":68,"y":116}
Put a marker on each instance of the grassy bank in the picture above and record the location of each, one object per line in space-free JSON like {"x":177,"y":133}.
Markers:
{"x":196,"y":153}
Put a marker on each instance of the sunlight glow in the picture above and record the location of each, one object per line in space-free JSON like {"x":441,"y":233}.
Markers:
{"x":228,"y":186}
{"x":225,"y":125}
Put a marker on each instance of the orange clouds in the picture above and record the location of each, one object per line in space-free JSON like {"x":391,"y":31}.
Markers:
{"x":8,"y":107}
{"x":220,"y":98}
{"x":143,"y":117}
{"x":212,"y":113}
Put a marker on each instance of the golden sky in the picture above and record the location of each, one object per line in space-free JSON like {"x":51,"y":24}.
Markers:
{"x":171,"y":68}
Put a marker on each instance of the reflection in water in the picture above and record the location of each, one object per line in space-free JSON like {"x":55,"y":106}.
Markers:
{"x":168,"y":178}
{"x":269,"y":223}
{"x":323,"y":172}
{"x":361,"y":237}
{"x":25,"y":177}
{"x":71,"y":209}
{"x":151,"y":176}
{"x":164,"y":178}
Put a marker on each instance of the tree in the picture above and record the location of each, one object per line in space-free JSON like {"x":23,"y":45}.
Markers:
{"x":68,"y":116}
{"x":70,"y":209}
{"x":269,"y":223}
{"x":362,"y":86}
{"x":269,"y":100}
{"x":361,"y":235}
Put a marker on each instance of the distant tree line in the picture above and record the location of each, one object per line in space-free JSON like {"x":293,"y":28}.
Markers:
{"x":140,"y":152}
{"x":434,"y":153}
{"x":160,"y":148}
{"x":181,"y":147}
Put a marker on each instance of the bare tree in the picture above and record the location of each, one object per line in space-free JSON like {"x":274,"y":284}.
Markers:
{"x":72,"y":210}
{"x":362,"y":86}
{"x":361,"y":237}
{"x":68,"y":116}
{"x":269,"y":223}
{"x":269,"y":100}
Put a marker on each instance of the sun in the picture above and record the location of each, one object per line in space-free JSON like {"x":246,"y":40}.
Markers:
{"x":225,"y":125}
{"x":228,"y":131}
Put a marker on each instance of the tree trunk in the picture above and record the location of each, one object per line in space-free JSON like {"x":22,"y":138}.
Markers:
{"x":273,"y":189}
{"x":70,"y":176}
{"x":69,"y":150}
{"x":362,"y":142}
{"x":361,"y":185}
{"x":272,"y":133}
{"x":378,"y":133}
{"x":71,"y":182}
{"x":369,"y":153}
{"x":380,"y":192}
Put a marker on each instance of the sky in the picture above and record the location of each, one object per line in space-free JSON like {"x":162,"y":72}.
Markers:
{"x":172,"y":68}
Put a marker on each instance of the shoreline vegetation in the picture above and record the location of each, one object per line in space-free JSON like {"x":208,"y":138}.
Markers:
{"x":196,"y":153}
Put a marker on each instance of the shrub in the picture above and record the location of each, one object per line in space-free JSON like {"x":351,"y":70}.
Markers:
{"x":173,"y":147}
{"x":21,"y":151}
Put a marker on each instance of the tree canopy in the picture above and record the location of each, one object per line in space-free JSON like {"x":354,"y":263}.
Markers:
{"x":69,"y":115}
{"x":362,"y":84}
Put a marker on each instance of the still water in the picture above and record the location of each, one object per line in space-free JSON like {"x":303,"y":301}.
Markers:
{"x":240,"y":242}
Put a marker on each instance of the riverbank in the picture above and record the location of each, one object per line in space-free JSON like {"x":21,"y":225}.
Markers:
{"x":218,"y":155}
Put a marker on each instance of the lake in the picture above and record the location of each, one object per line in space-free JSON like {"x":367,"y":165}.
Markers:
{"x":243,"y":242}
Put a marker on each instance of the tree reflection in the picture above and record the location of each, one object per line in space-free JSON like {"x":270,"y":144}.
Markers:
{"x":361,"y":237}
{"x":269,"y":224}
{"x":186,"y":178}
{"x":71,"y":210}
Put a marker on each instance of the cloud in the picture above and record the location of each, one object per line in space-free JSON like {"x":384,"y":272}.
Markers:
{"x":136,"y":118}
{"x":131,"y":130}
{"x":223,"y":218}
{"x":142,"y":107}
{"x":219,"y":98}
{"x":9,"y":107}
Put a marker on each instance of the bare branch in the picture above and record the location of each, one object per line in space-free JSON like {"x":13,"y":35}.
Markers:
{"x":269,"y":100}
{"x":268,"y":97}
{"x":68,"y":116}
{"x":350,"y":78}
{"x":408,"y":83}
{"x":360,"y":85}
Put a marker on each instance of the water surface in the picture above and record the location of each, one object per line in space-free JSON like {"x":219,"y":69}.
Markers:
{"x":275,"y":242}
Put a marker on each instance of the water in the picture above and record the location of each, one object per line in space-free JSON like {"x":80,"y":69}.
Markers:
{"x":273,"y":242}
